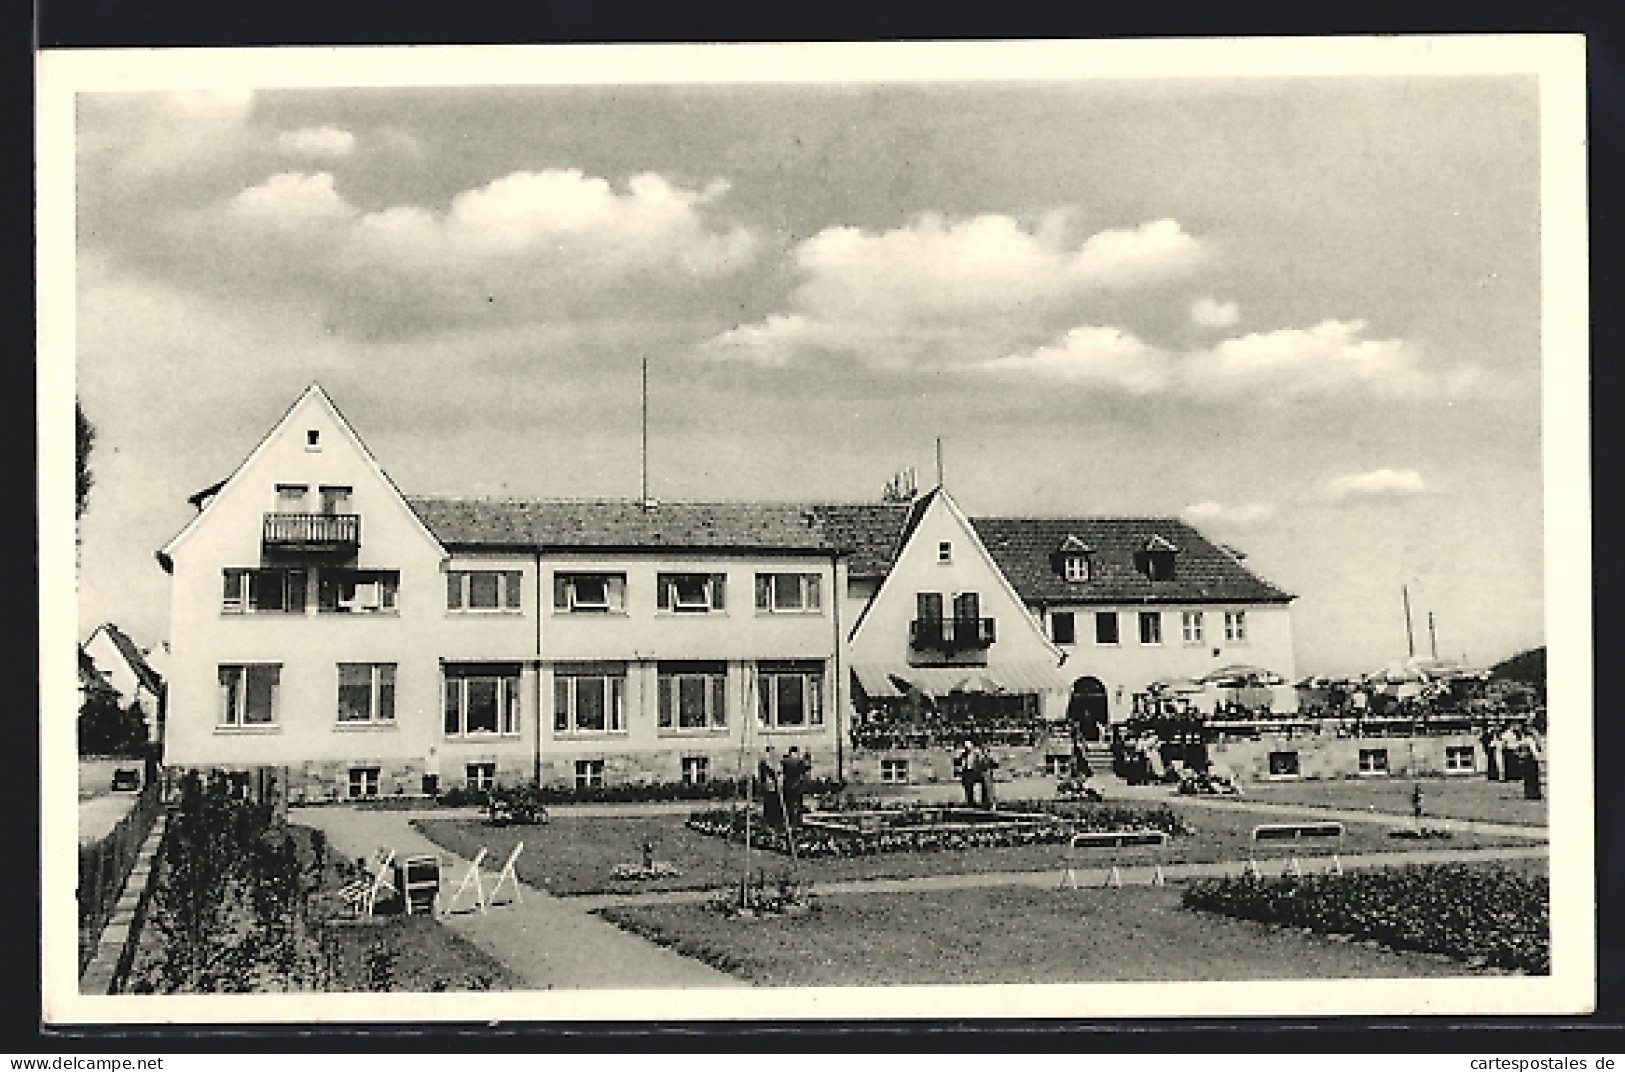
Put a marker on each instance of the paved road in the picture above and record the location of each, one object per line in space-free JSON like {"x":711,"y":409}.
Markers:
{"x":547,"y":941}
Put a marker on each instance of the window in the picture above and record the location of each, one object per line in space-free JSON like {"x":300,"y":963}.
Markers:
{"x":358,"y":591}
{"x":928,"y":606}
{"x":1063,"y":628}
{"x":1058,"y":766}
{"x":1150,"y":627}
{"x":335,"y":499}
{"x":589,"y":593}
{"x":367,"y":692}
{"x":1190,"y":623}
{"x":945,"y":552}
{"x":894,"y":771}
{"x":290,"y":498}
{"x":248,"y":694}
{"x":263,"y":591}
{"x":363,"y":782}
{"x":691,"y":593}
{"x":788,"y":593}
{"x":790,"y":695}
{"x":1106,"y":627}
{"x":693,"y":696}
{"x":589,"y":698}
{"x":480,"y":777}
{"x":1460,"y":758}
{"x":589,"y":773}
{"x":481,"y":699}
{"x":1373,"y":761}
{"x":1283,"y":764}
{"x":1235,"y":626}
{"x":1076,"y":567}
{"x":696,"y":770}
{"x":483,"y":590}
{"x":313,"y":440}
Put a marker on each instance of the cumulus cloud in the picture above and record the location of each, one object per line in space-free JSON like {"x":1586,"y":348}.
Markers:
{"x":1100,"y":356}
{"x":1212,"y":313}
{"x":141,"y":138}
{"x":1274,"y":367}
{"x":323,"y":141}
{"x":945,"y":291}
{"x":1378,"y":482}
{"x":1209,"y":512}
{"x":525,"y":245}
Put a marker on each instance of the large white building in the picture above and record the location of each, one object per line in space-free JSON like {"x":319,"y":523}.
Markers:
{"x":372,"y":644}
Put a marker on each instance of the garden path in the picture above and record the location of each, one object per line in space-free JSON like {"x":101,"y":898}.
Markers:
{"x":549,"y":942}
{"x":1347,"y":815}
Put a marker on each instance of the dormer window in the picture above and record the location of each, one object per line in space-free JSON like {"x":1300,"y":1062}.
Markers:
{"x":1157,"y":559}
{"x":1076,"y":559}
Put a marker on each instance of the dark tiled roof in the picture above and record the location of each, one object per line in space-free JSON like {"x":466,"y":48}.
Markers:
{"x":91,"y":679}
{"x":138,"y":663}
{"x":869,"y":532}
{"x":1027,"y":550}
{"x":625,"y":524}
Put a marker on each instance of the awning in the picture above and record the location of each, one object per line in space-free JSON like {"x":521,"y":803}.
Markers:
{"x":892,"y":679}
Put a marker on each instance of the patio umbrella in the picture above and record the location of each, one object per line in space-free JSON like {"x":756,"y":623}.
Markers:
{"x":1238,"y":675}
{"x":978,"y":683}
{"x":1175,"y":685}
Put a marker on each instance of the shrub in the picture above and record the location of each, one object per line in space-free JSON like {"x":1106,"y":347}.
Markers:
{"x":1485,"y":914}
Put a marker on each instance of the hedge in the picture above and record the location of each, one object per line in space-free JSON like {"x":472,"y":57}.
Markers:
{"x":1485,"y":914}
{"x":720,"y":789}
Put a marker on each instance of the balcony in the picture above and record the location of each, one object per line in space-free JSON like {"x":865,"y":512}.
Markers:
{"x":951,"y":635}
{"x":312,"y":532}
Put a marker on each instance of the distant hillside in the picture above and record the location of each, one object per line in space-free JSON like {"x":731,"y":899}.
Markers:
{"x":1528,"y":667}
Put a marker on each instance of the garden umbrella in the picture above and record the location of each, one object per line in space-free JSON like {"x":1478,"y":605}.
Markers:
{"x":1238,"y":674}
{"x":1174,"y":685}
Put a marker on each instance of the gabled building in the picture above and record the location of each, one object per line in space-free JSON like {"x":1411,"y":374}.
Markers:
{"x":125,"y":668}
{"x":373,"y":644}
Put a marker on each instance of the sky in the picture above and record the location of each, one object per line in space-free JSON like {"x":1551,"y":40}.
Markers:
{"x":1302,"y":313}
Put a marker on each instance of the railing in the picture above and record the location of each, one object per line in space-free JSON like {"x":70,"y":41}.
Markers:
{"x":312,"y":530}
{"x":951,"y":634}
{"x":105,"y":864}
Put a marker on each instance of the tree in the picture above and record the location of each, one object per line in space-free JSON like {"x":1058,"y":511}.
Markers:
{"x":84,"y":439}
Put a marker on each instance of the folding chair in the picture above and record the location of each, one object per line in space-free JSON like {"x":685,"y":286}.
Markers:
{"x":470,"y":878}
{"x":362,"y":894}
{"x":509,"y":876}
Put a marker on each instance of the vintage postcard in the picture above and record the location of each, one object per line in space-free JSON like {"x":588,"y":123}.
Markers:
{"x":1045,"y":529}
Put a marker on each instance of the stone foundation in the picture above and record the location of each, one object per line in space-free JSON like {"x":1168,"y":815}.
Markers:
{"x":1320,"y":756}
{"x":935,"y":764}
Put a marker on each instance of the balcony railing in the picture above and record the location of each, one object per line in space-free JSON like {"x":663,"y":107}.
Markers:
{"x":312,"y":532}
{"x":951,"y":634}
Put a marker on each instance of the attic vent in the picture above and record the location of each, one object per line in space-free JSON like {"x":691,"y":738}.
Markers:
{"x":313,"y":439}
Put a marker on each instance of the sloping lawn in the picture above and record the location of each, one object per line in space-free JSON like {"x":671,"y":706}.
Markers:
{"x":1012,"y":935}
{"x":577,"y":854}
{"x":1442,"y":798}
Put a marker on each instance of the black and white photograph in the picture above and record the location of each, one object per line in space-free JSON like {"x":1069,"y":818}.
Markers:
{"x":1043,"y":529}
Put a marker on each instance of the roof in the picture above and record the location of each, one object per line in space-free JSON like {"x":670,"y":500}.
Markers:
{"x":1026,"y":550}
{"x":871,"y":533}
{"x":144,"y":673}
{"x":91,"y":679}
{"x":628,"y":524}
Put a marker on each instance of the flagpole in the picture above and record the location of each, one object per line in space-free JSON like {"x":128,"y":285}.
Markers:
{"x":748,"y":717}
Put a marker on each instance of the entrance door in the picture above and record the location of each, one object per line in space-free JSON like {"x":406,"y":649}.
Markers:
{"x":1089,"y":709}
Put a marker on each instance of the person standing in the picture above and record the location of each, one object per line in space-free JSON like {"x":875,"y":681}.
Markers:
{"x":767,"y":780}
{"x":794,"y":784}
{"x":968,"y":775}
{"x":985,"y":765}
{"x":1492,"y":766}
{"x":1529,"y":761}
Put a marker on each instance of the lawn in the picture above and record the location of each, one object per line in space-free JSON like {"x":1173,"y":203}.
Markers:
{"x":1447,"y":798}
{"x":1012,"y":935}
{"x":577,"y":853}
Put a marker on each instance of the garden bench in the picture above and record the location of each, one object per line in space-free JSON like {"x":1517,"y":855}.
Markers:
{"x":1295,"y":834}
{"x":1110,"y":839}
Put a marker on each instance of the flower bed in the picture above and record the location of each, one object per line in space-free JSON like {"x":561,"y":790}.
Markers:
{"x":542,"y":796}
{"x":910,"y":828}
{"x":1484,"y":914}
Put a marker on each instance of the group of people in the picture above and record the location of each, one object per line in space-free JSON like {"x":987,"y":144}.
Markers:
{"x":783,"y":785}
{"x":976,"y":765}
{"x":1513,"y":755}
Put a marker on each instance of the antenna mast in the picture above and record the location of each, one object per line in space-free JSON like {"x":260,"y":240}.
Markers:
{"x":939,"y":461}
{"x":645,"y":498}
{"x":1410,"y":638}
{"x":1433,"y":640}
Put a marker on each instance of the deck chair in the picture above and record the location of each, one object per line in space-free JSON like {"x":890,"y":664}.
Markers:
{"x":362,"y":894}
{"x":471,"y":878}
{"x":507,"y":876}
